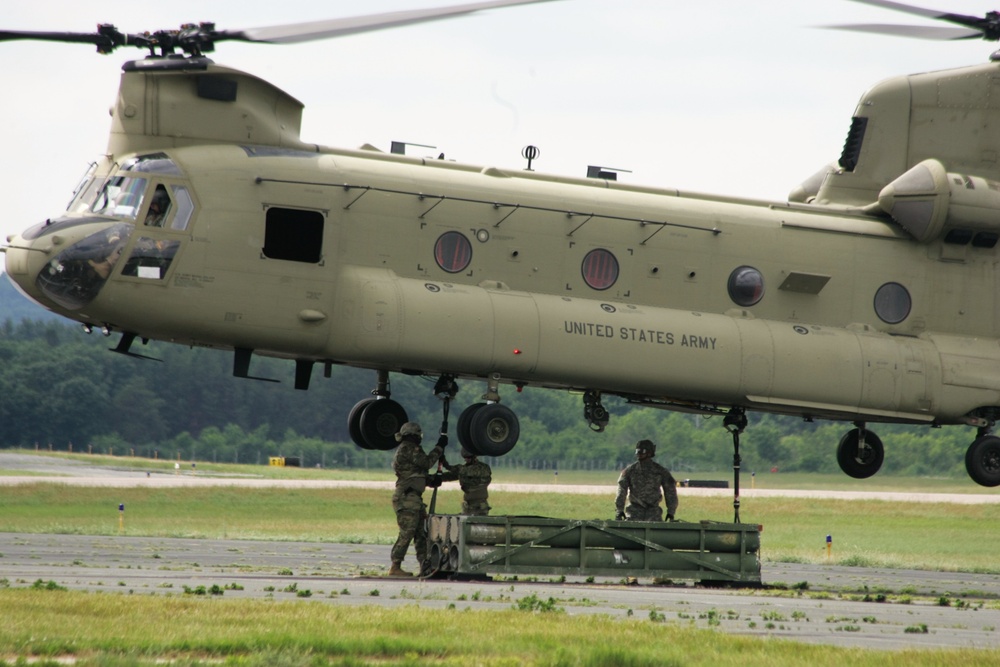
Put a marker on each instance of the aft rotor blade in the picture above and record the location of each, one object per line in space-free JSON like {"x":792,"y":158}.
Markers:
{"x":919,"y":32}
{"x":313,"y":30}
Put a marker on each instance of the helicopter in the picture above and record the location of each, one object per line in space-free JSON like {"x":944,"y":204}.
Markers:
{"x":865,"y":297}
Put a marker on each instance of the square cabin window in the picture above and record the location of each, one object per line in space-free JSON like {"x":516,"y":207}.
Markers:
{"x":293,"y":234}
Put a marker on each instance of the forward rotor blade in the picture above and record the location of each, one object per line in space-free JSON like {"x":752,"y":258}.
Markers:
{"x":976,"y":23}
{"x":302,"y":32}
{"x":919,"y":32}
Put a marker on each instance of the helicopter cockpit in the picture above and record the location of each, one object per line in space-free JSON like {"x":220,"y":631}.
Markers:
{"x":143,"y":188}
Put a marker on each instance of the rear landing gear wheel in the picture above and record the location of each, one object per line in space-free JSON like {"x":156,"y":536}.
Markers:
{"x":860,"y":462}
{"x":982,"y":460}
{"x":380,"y":422}
{"x":494,"y":429}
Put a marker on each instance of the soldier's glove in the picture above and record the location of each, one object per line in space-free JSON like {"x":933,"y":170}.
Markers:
{"x":619,"y":516}
{"x":670,"y":517}
{"x":434,"y":481}
{"x":443,"y":441}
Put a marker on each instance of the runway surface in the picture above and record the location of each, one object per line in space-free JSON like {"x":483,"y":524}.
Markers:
{"x":839,"y":607}
{"x":832,"y":605}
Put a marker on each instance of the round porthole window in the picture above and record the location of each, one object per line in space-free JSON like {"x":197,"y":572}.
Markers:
{"x":746,"y":286}
{"x":453,"y":252}
{"x":600,"y":269}
{"x":892,"y":303}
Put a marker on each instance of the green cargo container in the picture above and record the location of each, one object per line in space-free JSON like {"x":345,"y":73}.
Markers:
{"x":520,"y":545}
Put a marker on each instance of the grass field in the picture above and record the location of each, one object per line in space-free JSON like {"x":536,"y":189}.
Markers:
{"x":116,"y":629}
{"x":931,"y":535}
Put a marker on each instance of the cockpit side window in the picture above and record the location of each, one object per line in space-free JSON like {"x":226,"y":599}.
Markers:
{"x":159,"y":207}
{"x":185,"y":207}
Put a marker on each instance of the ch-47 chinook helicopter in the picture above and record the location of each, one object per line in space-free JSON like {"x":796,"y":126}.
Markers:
{"x":868,"y":297}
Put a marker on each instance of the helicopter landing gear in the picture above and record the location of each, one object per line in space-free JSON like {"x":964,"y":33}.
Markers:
{"x":374,"y":422}
{"x":488,"y":428}
{"x":860,"y":452}
{"x":982,"y":459}
{"x":596,"y":414}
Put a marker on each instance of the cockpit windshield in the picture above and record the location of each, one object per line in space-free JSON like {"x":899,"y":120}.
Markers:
{"x":121,"y":195}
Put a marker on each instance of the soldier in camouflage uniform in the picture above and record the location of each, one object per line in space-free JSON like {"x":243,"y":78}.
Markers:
{"x":411,"y":465}
{"x":641,"y":483}
{"x":474,"y":476}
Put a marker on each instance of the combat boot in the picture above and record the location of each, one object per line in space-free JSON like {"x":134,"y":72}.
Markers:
{"x":397,"y":571}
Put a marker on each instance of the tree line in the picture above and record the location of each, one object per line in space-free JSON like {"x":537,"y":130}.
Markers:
{"x":62,"y":389}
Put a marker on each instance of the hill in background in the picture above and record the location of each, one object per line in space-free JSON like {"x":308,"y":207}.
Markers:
{"x":14,"y":306}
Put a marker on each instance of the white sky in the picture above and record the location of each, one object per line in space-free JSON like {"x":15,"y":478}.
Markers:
{"x":724,"y":96}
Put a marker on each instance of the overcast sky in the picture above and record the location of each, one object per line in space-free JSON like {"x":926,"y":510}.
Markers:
{"x":724,"y":96}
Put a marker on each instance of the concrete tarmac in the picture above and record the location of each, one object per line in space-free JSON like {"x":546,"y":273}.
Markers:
{"x":830,"y":605}
{"x":840,"y":606}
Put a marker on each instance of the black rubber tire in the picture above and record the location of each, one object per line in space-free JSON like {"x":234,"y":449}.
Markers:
{"x":464,"y":422}
{"x":354,"y":423}
{"x":863,"y":464}
{"x":982,"y":460}
{"x":494,"y":430}
{"x":380,"y":422}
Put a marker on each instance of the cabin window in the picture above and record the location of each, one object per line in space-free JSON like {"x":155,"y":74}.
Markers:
{"x":453,"y":252}
{"x":600,"y":269}
{"x":892,"y":303}
{"x":293,"y":234}
{"x":746,"y":286}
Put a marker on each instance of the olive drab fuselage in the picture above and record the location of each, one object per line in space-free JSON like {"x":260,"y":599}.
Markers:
{"x":869,"y":297}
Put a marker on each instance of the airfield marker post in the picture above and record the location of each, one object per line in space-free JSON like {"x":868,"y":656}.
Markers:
{"x":829,"y":546}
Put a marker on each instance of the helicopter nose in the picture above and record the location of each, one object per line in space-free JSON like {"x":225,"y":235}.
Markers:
{"x":66,"y":263}
{"x":16,"y":265}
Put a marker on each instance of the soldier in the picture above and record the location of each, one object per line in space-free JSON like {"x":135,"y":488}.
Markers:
{"x":411,"y":465}
{"x":641,"y":483}
{"x":474,"y":477}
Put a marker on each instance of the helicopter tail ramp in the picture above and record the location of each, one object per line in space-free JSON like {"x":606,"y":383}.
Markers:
{"x":705,"y":551}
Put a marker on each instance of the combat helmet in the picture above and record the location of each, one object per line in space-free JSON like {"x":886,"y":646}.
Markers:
{"x":645,"y":446}
{"x":409,"y":429}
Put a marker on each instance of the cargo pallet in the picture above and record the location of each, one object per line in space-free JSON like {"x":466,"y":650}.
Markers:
{"x":705,"y":551}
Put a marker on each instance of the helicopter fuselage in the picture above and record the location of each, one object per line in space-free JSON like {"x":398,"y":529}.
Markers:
{"x":423,"y":265}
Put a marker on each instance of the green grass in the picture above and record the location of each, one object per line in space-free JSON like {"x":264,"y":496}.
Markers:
{"x":110,"y":629}
{"x":102,"y":629}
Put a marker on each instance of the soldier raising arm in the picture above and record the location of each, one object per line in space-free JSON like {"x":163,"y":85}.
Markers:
{"x":411,"y":465}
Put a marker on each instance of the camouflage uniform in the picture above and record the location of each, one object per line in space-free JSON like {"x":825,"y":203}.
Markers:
{"x":411,"y":466}
{"x":474,"y":477}
{"x":641,"y":483}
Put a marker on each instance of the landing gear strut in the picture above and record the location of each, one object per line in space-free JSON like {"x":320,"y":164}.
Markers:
{"x":982,"y":459}
{"x":860,"y":452}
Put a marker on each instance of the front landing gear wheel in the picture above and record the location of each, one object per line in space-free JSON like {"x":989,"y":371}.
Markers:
{"x":982,"y":460}
{"x":354,"y":422}
{"x":860,"y":462}
{"x":464,"y":423}
{"x":380,"y":422}
{"x":494,"y":429}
